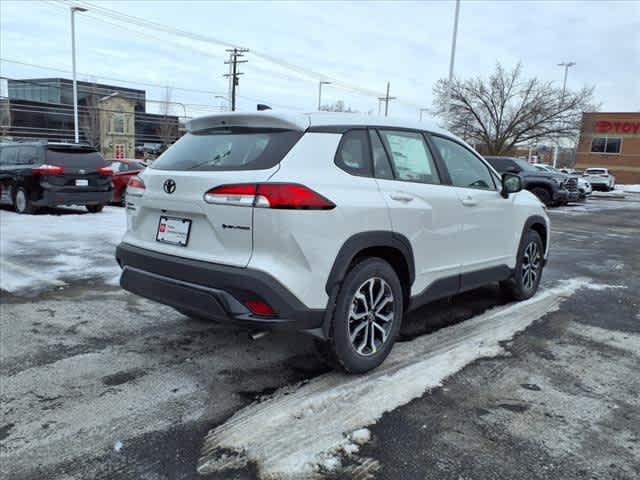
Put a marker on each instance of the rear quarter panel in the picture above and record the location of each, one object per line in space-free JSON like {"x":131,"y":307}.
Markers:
{"x":299,"y":247}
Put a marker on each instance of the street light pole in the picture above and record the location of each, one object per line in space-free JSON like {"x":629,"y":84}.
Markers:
{"x":566,"y":66}
{"x":453,"y":41}
{"x":73,"y":62}
{"x":320,"y":92}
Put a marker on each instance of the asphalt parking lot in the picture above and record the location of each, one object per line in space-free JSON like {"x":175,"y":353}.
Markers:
{"x":97,"y":383}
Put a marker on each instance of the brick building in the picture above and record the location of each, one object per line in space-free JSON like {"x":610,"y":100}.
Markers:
{"x":611,"y":140}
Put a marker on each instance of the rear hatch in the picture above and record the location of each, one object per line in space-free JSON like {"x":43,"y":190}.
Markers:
{"x":81,"y":169}
{"x":171,"y":215}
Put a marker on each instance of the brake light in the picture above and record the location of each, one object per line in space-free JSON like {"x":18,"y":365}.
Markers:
{"x":105,"y":171}
{"x":289,"y":196}
{"x":135,"y":186}
{"x":45,"y":169}
{"x":259,"y":307}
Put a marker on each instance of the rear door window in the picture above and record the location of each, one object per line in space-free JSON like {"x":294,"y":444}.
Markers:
{"x":410,"y":155}
{"x":237,"y":148}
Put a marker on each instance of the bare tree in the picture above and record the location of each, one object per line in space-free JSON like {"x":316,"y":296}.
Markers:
{"x":90,"y":117}
{"x":338,"y":106}
{"x":506,"y":109}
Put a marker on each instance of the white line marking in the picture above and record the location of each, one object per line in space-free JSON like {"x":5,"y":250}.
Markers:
{"x":303,"y":429}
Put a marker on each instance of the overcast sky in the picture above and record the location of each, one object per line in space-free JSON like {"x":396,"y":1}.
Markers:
{"x":358,"y":43}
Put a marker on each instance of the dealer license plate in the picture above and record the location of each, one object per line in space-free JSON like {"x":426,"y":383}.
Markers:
{"x":174,"y":230}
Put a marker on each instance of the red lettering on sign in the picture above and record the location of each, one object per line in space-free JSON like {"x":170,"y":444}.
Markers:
{"x":605,"y":126}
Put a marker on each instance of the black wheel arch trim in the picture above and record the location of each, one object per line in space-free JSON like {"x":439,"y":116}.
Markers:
{"x":534,"y":220}
{"x":362,"y":241}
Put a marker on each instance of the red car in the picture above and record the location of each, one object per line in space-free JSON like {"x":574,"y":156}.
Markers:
{"x":123,"y":170}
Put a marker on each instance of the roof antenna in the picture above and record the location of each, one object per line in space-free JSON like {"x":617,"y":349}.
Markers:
{"x":262,"y":107}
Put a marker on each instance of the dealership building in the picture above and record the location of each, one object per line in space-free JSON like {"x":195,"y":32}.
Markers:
{"x":611,"y":140}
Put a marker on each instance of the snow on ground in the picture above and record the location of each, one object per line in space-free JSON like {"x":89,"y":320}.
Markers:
{"x":602,"y":201}
{"x":307,"y":429}
{"x":49,"y":249}
{"x":629,"y":188}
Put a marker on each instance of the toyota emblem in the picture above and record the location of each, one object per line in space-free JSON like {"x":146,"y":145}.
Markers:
{"x":169,"y":186}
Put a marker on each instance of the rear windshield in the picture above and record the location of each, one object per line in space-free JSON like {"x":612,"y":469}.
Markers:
{"x":597,"y":171}
{"x":228,"y":149}
{"x":71,"y":158}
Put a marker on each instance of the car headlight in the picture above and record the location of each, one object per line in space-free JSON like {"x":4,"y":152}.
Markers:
{"x":557,"y":180}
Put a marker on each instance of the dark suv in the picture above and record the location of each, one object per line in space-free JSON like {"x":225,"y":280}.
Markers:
{"x":36,"y":175}
{"x":552,"y":190}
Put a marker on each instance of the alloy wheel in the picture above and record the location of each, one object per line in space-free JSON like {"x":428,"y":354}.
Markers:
{"x":21,"y":200}
{"x":371,"y":316}
{"x":531,"y":265}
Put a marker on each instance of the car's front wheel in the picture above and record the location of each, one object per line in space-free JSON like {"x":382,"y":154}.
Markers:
{"x":94,"y":208}
{"x":528,"y":272}
{"x":366,"y":319}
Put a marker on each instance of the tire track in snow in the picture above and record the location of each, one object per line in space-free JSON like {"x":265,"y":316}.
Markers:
{"x":303,"y":430}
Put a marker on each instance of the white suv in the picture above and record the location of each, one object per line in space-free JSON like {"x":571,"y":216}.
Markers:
{"x":334,"y":225}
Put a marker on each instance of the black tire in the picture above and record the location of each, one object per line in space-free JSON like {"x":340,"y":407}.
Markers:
{"x":523,"y":285}
{"x":94,"y":208}
{"x":22,"y":202}
{"x":544,"y":195}
{"x":339,"y":351}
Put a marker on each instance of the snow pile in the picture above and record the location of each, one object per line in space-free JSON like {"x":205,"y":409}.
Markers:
{"x":629,"y":188}
{"x":305,"y":430}
{"x":44,"y":251}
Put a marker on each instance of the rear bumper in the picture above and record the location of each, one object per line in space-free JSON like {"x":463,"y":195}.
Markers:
{"x":51,"y":198}
{"x":212,"y":291}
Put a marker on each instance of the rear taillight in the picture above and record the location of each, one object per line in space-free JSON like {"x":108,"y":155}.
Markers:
{"x":105,"y":171}
{"x":45,"y":169}
{"x":289,"y":196}
{"x":135,"y":186}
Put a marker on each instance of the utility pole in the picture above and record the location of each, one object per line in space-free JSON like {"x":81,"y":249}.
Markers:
{"x":386,"y":99}
{"x":76,"y":132}
{"x":320,"y":93}
{"x":235,"y":53}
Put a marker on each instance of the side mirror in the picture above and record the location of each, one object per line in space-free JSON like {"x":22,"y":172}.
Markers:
{"x":511,"y":183}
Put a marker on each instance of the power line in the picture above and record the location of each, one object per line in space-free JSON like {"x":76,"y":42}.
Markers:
{"x":114,"y":14}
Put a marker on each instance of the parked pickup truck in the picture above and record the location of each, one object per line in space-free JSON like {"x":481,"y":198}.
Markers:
{"x":600,"y":179}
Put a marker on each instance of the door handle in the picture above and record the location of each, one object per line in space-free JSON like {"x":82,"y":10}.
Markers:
{"x":401,"y":198}
{"x":469,"y":202}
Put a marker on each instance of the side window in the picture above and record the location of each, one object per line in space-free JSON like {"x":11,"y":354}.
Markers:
{"x":381,"y":165}
{"x":465,"y":169}
{"x":9,"y":156}
{"x":28,"y":155}
{"x":411,"y":157}
{"x":353,"y":154}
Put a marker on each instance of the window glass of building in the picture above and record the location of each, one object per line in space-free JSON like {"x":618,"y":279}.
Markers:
{"x":613,"y":145}
{"x":410,"y":156}
{"x":353,"y":153}
{"x":118,"y":123}
{"x":465,"y":169}
{"x":381,"y":165}
{"x":598,"y":144}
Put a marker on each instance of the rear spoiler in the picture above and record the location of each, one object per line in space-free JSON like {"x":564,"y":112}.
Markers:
{"x":264,"y":119}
